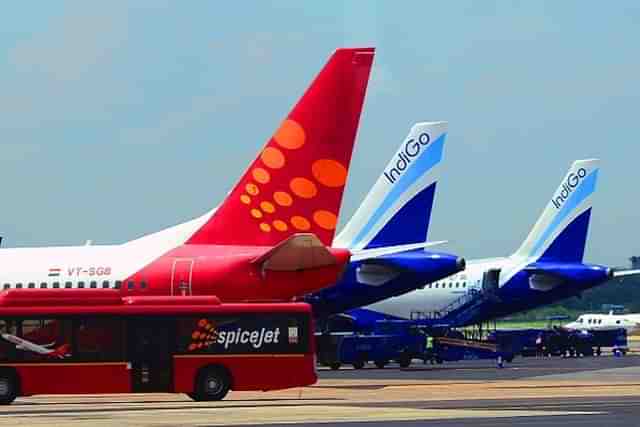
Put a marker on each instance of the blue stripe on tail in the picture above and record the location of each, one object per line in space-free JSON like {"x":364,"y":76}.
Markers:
{"x":417,"y":169}
{"x":569,"y":245}
{"x":410,"y":224}
{"x":583,"y":191}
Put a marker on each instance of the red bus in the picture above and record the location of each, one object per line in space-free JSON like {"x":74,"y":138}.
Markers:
{"x":95,"y":341}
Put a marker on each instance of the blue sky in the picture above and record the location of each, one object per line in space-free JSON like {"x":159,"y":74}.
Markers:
{"x":120,"y":118}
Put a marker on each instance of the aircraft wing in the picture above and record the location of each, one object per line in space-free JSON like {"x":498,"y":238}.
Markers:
{"x":363,"y":254}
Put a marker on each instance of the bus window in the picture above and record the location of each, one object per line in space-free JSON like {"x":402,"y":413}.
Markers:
{"x":44,"y":339}
{"x":98,"y":339}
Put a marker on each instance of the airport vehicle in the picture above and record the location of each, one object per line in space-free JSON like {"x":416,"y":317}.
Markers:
{"x":395,"y":213}
{"x":386,"y":342}
{"x":606,"y":322}
{"x":97,"y":341}
{"x":547,"y":267}
{"x":401,"y":341}
{"x":269,"y":238}
{"x":558,"y":341}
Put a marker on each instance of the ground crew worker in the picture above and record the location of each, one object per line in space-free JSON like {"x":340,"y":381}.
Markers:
{"x":429,"y":348}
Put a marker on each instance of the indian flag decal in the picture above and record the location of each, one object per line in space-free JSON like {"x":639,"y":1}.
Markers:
{"x":54,"y":272}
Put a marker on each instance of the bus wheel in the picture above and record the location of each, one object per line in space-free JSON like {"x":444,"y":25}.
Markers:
{"x":358,"y":364}
{"x":8,"y":387}
{"x":213,"y":384}
{"x":334,"y":366}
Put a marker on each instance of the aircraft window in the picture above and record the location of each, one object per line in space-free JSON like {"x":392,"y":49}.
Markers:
{"x":118,"y":284}
{"x":599,"y":321}
{"x":68,"y":285}
{"x":143,"y":285}
{"x":31,"y":285}
{"x":105,"y":284}
{"x":464,"y":284}
{"x":131,"y":285}
{"x":457,"y":284}
{"x":18,"y":285}
{"x":7,"y":285}
{"x":56,"y":285}
{"x":617,"y":322}
{"x":450,"y":284}
{"x":436,"y":285}
{"x":43,"y":285}
{"x":580,"y":320}
{"x":93,"y":284}
{"x":80,"y":285}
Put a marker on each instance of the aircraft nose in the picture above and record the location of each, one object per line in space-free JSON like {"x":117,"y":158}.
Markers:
{"x":461,"y":263}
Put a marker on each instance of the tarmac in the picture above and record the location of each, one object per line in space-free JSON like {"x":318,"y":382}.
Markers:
{"x":599,"y":391}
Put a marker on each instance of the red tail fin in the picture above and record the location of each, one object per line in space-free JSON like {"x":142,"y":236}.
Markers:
{"x":296,"y":183}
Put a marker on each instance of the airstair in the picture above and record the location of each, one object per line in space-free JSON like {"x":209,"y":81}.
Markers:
{"x":468,"y":309}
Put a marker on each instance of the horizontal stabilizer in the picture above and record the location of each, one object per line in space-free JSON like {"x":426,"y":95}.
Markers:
{"x":626,"y":273}
{"x":363,"y":254}
{"x":301,"y":251}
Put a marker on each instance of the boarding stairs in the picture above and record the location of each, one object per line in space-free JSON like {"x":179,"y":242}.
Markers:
{"x":465,"y":310}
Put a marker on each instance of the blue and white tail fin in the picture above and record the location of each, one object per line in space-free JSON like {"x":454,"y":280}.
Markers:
{"x":397,"y":210}
{"x":561,"y":232}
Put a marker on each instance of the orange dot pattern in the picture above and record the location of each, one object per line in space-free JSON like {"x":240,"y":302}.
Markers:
{"x":265,"y":227}
{"x":300,"y":223}
{"x":204,"y":335}
{"x":267,"y":207}
{"x":280,"y":225}
{"x":329,"y":173}
{"x":273,"y":158}
{"x":252,"y":189}
{"x":261,"y":175}
{"x":303,"y":187}
{"x":290,"y":135}
{"x":325,"y":219}
{"x":324,"y":172}
{"x":282,"y":198}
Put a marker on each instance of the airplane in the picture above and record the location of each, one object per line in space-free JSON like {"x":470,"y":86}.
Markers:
{"x":269,"y":239}
{"x":606,"y":322}
{"x":547,"y":267}
{"x":21,"y":344}
{"x":396,"y":212}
